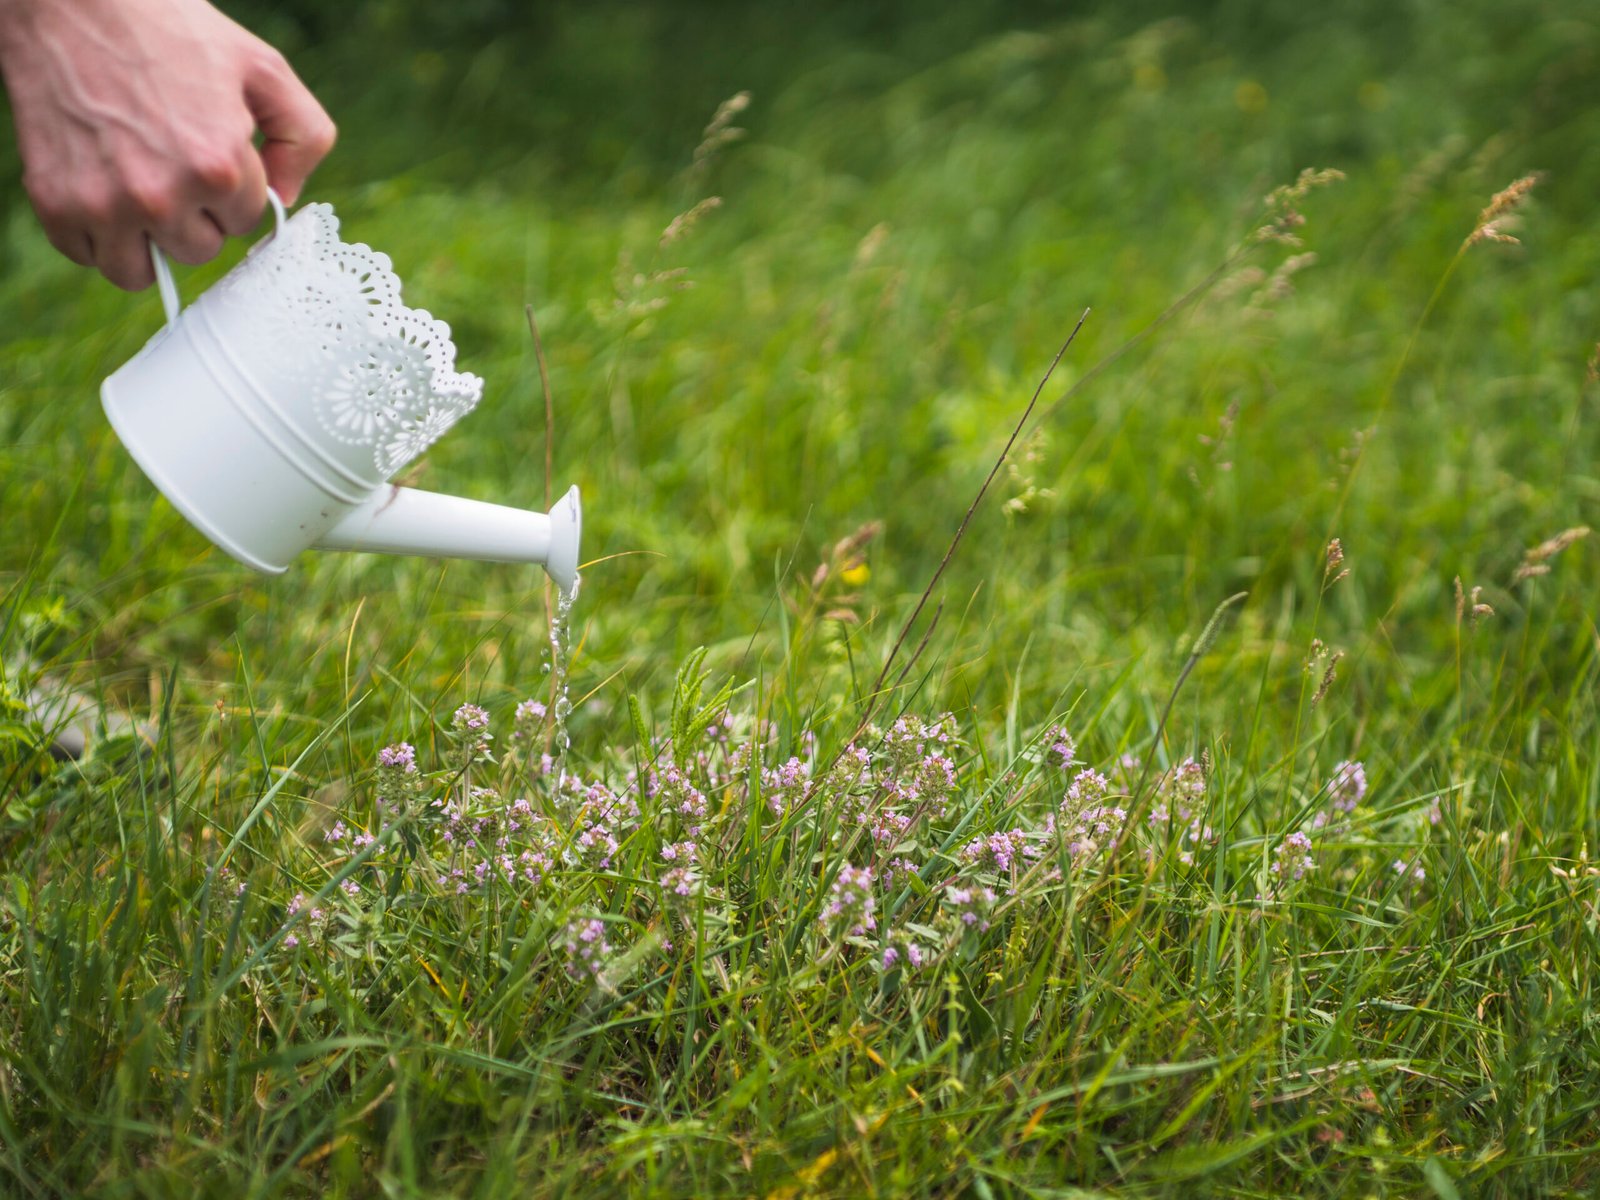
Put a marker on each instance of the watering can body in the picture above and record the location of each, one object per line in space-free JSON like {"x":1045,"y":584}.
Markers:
{"x":273,"y":411}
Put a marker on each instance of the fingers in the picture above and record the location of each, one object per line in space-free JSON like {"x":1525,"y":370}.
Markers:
{"x":238,"y":210}
{"x":88,"y":224}
{"x":194,"y":239}
{"x":110,"y":224}
{"x":71,"y":240}
{"x":298,"y":132}
{"x":123,"y":257}
{"x":175,"y":213}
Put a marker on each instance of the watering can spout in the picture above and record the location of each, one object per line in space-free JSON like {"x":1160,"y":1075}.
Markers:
{"x":397,"y":520}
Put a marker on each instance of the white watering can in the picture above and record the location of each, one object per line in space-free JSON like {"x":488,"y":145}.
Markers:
{"x":273,"y":411}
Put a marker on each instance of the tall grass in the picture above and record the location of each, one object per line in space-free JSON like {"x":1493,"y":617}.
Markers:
{"x":213,"y":982}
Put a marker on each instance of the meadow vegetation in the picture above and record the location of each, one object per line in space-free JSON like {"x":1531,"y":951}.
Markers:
{"x":1218,"y":822}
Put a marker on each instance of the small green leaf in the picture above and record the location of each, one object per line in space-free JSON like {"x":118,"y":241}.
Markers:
{"x":640,"y":730}
{"x":1439,"y":1180}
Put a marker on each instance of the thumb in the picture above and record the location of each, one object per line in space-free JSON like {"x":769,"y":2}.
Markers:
{"x":296,"y":132}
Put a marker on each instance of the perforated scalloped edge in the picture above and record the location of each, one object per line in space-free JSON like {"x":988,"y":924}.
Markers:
{"x":394,"y":317}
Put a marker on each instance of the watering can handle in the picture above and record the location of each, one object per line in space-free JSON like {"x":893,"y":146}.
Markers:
{"x":169,"y":289}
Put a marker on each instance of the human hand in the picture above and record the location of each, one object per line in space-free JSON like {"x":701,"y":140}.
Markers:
{"x":136,"y":120}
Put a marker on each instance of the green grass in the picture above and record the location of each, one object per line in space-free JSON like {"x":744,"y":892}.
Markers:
{"x":914,"y":222}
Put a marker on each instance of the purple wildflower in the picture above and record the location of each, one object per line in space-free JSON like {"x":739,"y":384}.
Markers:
{"x":902,"y":950}
{"x":889,"y":828}
{"x":678,"y":882}
{"x":1060,"y":751}
{"x":469,"y":727}
{"x":935,"y":781}
{"x":526,"y":721}
{"x":598,"y":845}
{"x":781,"y":786}
{"x":1292,"y":859}
{"x":893,"y":870}
{"x":587,"y":949}
{"x":1083,"y":822}
{"x":1188,"y":783}
{"x":853,"y":768}
{"x":999,"y":850}
{"x":672,"y":789}
{"x":1347,"y":786}
{"x":469,"y":718}
{"x":851,"y":902}
{"x":401,"y":756}
{"x":1411,"y":872}
{"x":969,"y":906}
{"x":1087,"y":787}
{"x":533,"y":865}
{"x":397,"y":774}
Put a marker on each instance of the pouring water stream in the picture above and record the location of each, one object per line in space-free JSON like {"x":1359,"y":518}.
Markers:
{"x":556,"y":669}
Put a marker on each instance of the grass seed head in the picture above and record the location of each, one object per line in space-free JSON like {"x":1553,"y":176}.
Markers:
{"x":1535,"y":561}
{"x":1502,"y":212}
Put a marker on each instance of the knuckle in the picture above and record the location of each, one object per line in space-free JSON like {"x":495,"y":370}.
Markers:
{"x":216,"y":172}
{"x":94,"y":207}
{"x":155,"y":201}
{"x":324,"y":133}
{"x":271,"y":60}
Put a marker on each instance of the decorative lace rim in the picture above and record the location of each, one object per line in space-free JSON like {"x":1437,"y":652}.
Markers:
{"x":374,"y":272}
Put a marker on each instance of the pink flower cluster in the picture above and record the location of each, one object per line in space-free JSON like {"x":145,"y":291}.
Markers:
{"x":902,"y":952}
{"x":300,"y":912}
{"x":969,"y":906}
{"x":401,"y":756}
{"x":1348,"y":786}
{"x":671,"y":788}
{"x":851,"y":902}
{"x":782,"y":786}
{"x":1060,"y":751}
{"x":999,"y":850}
{"x":588,"y":951}
{"x":1292,"y":859}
